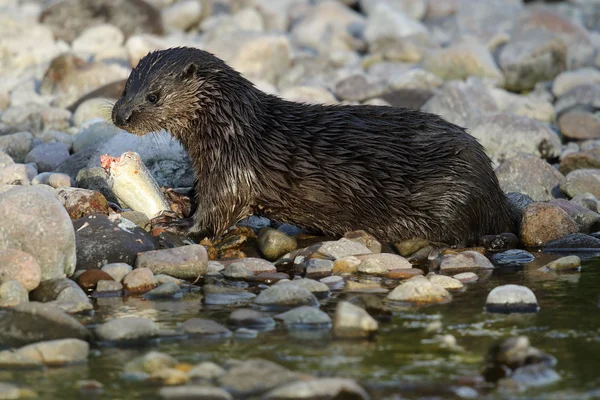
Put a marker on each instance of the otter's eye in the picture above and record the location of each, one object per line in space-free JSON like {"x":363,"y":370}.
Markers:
{"x":152,"y":98}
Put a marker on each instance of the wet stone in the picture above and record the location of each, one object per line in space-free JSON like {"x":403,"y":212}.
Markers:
{"x":108,"y":288}
{"x":305,"y":317}
{"x":248,"y":318}
{"x":333,"y":282}
{"x":169,"y":290}
{"x":149,"y":363}
{"x":127,"y":329}
{"x":319,"y":289}
{"x":219,"y":295}
{"x":409,"y":247}
{"x":9,"y":391}
{"x":214,"y":268}
{"x":274,"y":243}
{"x":574,"y":241}
{"x":543,"y":223}
{"x":446,"y":282}
{"x":511,"y":298}
{"x":19,"y":266}
{"x":64,"y":292}
{"x":80,"y":203}
{"x":140,"y":280}
{"x":567,"y":263}
{"x":256,"y":265}
{"x":205,"y":328}
{"x":162,"y":279}
{"x":366,"y":239}
{"x":342,"y":248}
{"x":464,"y":261}
{"x":319,"y":388}
{"x":117,"y":270}
{"x":186,"y":262}
{"x":188,"y":392}
{"x":207,"y":371}
{"x":381,"y":263}
{"x":254,"y":377}
{"x":318,"y":268}
{"x":90,"y":278}
{"x":586,"y":220}
{"x":405,"y":273}
{"x":351,"y":321}
{"x":373,"y":304}
{"x":419,"y":290}
{"x":580,"y":181}
{"x":285,"y":296}
{"x":512,"y":258}
{"x":12,"y":293}
{"x":57,"y":352}
{"x":346,"y":265}
{"x":237,"y":271}
{"x":245,"y":333}
{"x":53,"y":179}
{"x":466,"y":277}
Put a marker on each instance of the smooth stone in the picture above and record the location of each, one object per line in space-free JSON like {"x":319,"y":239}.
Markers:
{"x":118,"y":271}
{"x":405,"y":273}
{"x":186,"y":262}
{"x":319,"y":388}
{"x":89,"y":279}
{"x":207,"y":371}
{"x":64,"y":292}
{"x":365,"y":238}
{"x":381,"y":263}
{"x":105,"y":239}
{"x":35,"y":222}
{"x":513,"y":257}
{"x":575,"y":241}
{"x":150,"y":363}
{"x":12,"y":359}
{"x":346,"y":265}
{"x":446,"y":282}
{"x":16,"y":145}
{"x":34,"y":322}
{"x":511,"y":298}
{"x":342,"y":248}
{"x":9,"y":391}
{"x":411,"y":246}
{"x":466,"y":277}
{"x":167,"y":290}
{"x":205,"y":328}
{"x":12,"y":293}
{"x":256,"y":265}
{"x":19,"y":266}
{"x":351,"y":321}
{"x":54,"y":179}
{"x":218,"y":295}
{"x":162,"y":279}
{"x":530,"y":175}
{"x":287,"y":296}
{"x":385,"y":22}
{"x":361,"y":287}
{"x":580,"y":181}
{"x":127,"y":329}
{"x":109,"y":287}
{"x":570,"y":79}
{"x":542,"y":223}
{"x":245,"y":333}
{"x":305,"y":317}
{"x":465,"y":260}
{"x":22,"y":174}
{"x":57,"y":352}
{"x":333,"y":282}
{"x":182,"y":15}
{"x":315,"y":287}
{"x":237,"y":271}
{"x":274,"y":243}
{"x":140,"y":280}
{"x":81,"y":203}
{"x":373,"y":304}
{"x":563,"y":264}
{"x":318,"y":268}
{"x":214,"y":268}
{"x":5,"y":160}
{"x":48,"y":156}
{"x":254,"y":377}
{"x":189,"y":392}
{"x":248,"y":318}
{"x":587,"y":221}
{"x":419,"y":290}
{"x":579,"y":125}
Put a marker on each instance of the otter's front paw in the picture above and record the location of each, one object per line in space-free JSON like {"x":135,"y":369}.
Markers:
{"x":169,"y":222}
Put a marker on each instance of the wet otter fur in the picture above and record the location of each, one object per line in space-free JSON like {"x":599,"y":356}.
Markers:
{"x":395,"y":173}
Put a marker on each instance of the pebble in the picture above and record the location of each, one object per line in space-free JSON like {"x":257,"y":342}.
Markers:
{"x":333,"y":282}
{"x":256,"y":265}
{"x":81,"y":203}
{"x":117,"y":271}
{"x":9,"y":391}
{"x":19,"y":266}
{"x":563,"y":264}
{"x":185,"y":262}
{"x":512,"y":258}
{"x":384,"y":22}
{"x":140,"y":280}
{"x":63,"y":293}
{"x":187,"y":392}
{"x":404,"y":273}
{"x":205,"y":328}
{"x":22,"y":174}
{"x":305,"y":317}
{"x":274,"y":243}
{"x":580,"y":181}
{"x":365,"y":238}
{"x":381,"y":263}
{"x":207,"y":371}
{"x":319,"y":289}
{"x":56,"y":352}
{"x":105,"y":239}
{"x":35,"y":322}
{"x":5,"y":160}
{"x":249,"y":318}
{"x":511,"y":298}
{"x":150,"y":363}
{"x":17,"y":145}
{"x":571,"y":79}
{"x":542,"y":223}
{"x":579,"y":125}
{"x":318,"y":268}
{"x":587,"y":221}
{"x":127,"y":329}
{"x":466,"y":277}
{"x":464,"y":261}
{"x":347,"y":265}
{"x":353,"y":322}
{"x":574,"y":241}
{"x":182,"y":15}
{"x":89,"y":386}
{"x":48,"y":156}
{"x":419,"y":290}
{"x":108,"y":288}
{"x":89,"y":279}
{"x":530,"y":175}
{"x":12,"y":293}
{"x":319,"y":388}
{"x":218,"y":295}
{"x":168,"y":290}
{"x":53,"y":179}
{"x":237,"y":271}
{"x":342,"y":248}
{"x":446,"y":282}
{"x":285,"y":296}
{"x":35,"y":222}
{"x":254,"y":377}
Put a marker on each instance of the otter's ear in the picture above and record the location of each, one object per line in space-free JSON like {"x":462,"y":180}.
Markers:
{"x":189,"y":71}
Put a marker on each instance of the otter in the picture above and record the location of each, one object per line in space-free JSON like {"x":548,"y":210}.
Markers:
{"x":396,"y":173}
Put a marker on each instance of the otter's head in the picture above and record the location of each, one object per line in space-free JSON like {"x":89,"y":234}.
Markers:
{"x":169,"y":89}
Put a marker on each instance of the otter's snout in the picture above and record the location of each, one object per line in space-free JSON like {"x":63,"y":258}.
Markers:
{"x":121,"y":115}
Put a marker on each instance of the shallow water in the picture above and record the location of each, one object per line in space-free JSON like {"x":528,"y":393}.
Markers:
{"x":401,"y":359}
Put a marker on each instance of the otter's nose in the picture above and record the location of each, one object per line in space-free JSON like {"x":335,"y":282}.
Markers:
{"x":122,"y":116}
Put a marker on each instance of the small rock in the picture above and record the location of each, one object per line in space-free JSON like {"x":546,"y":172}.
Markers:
{"x":575,"y":241}
{"x":64,"y":293}
{"x":53,"y":179}
{"x":384,"y":22}
{"x":465,"y":260}
{"x":21,"y":174}
{"x":12,"y":293}
{"x":543,"y":223}
{"x":466,"y":277}
{"x":248,"y":318}
{"x":404,"y":273}
{"x":274,"y":244}
{"x":140,"y":280}
{"x":587,"y":221}
{"x":9,"y":391}
{"x":342,"y":248}
{"x":530,"y":175}
{"x":365,"y":238}
{"x":305,"y":317}
{"x":237,"y":271}
{"x":107,"y":288}
{"x":48,"y":156}
{"x":318,"y":268}
{"x":511,"y":298}
{"x":206,"y":371}
{"x":80,"y":203}
{"x":21,"y":267}
{"x":57,"y":352}
{"x":333,"y":282}
{"x":409,"y":247}
{"x":89,"y":279}
{"x":186,"y":262}
{"x":187,"y":392}
{"x":218,"y":295}
{"x":570,"y":79}
{"x":579,"y":125}
{"x":346,"y":265}
{"x":205,"y":327}
{"x":446,"y":282}
{"x":580,"y":181}
{"x":182,"y":15}
{"x":286,"y":296}
{"x":17,"y":145}
{"x":381,"y":263}
{"x":127,"y":329}
{"x":167,"y":290}
{"x":256,"y":265}
{"x":117,"y":270}
{"x":563,"y":264}
{"x":319,"y":388}
{"x":317,"y":288}
{"x":512,"y":258}
{"x":351,"y":321}
{"x":419,"y":290}
{"x":254,"y":377}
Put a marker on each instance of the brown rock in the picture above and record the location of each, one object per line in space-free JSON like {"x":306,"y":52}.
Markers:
{"x":365,"y":238}
{"x":90,"y":278}
{"x":543,"y":223}
{"x":82,"y":202}
{"x":346,"y":265}
{"x":579,"y":125}
{"x":140,"y":280}
{"x":580,"y":160}
{"x":403,"y":273}
{"x":19,"y":266}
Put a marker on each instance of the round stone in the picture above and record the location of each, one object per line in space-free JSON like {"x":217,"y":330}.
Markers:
{"x":511,"y":298}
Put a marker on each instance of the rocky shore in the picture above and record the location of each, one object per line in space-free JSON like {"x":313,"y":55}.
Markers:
{"x":522,"y":77}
